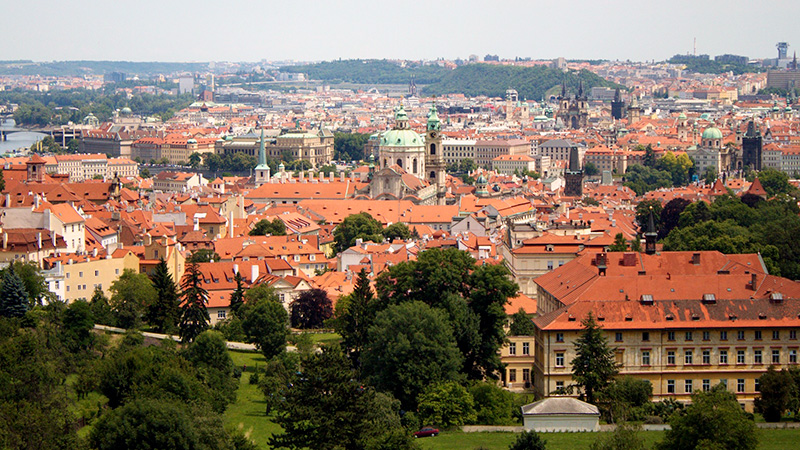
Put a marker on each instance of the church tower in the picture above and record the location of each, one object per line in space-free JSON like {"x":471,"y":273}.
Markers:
{"x":262,"y":169}
{"x":617,"y":106}
{"x":434,"y":155}
{"x":573,"y":177}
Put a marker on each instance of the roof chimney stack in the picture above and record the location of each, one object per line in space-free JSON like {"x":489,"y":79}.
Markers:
{"x":253,"y":273}
{"x":754,"y":281}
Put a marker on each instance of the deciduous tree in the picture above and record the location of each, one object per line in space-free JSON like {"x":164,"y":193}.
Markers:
{"x":714,"y":419}
{"x":131,"y":294}
{"x":311,"y":309}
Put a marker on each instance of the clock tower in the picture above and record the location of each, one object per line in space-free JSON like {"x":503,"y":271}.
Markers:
{"x":434,"y":155}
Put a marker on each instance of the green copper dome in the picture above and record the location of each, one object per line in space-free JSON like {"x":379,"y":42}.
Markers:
{"x":704,"y":116}
{"x":712,"y":132}
{"x":126,"y":111}
{"x":433,"y":118}
{"x":682,"y":116}
{"x":401,"y":138}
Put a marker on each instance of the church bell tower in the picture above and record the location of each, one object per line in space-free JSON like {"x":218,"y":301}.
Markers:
{"x":434,"y":154}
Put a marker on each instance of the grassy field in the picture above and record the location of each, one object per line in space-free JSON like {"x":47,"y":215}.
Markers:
{"x":456,"y":440}
{"x":249,"y":412}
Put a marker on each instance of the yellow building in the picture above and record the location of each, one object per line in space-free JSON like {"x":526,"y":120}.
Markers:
{"x":683,"y":321}
{"x":73,"y":277}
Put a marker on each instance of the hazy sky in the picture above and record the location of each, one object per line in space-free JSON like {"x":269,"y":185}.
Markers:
{"x":239,"y":30}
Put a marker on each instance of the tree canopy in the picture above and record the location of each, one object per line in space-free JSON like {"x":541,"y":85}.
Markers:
{"x":357,"y":226}
{"x":594,"y":366}
{"x":714,"y":419}
{"x":264,"y":227}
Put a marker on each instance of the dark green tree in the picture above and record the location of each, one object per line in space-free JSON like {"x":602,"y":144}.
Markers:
{"x":775,"y":182}
{"x":311,"y":309}
{"x":490,"y":288}
{"x":446,"y":404}
{"x":620,"y":244}
{"x":264,"y":227}
{"x":356,"y":417}
{"x":349,"y":146}
{"x":266,"y":324}
{"x":202,"y":255}
{"x":493,"y":404}
{"x":237,"y":296}
{"x":410,"y":346}
{"x":521,"y":324}
{"x":77,"y":326}
{"x":13,"y":296}
{"x":164,"y":310}
{"x":528,"y":440}
{"x":2,"y":181}
{"x":101,"y":309}
{"x":594,"y":366}
{"x":670,"y":215}
{"x":194,"y":314}
{"x":397,"y":230}
{"x":777,"y":388}
{"x":356,"y":226}
{"x":195,"y":159}
{"x":144,"y":172}
{"x":714,"y":419}
{"x":131,"y":294}
{"x":590,"y":170}
{"x":356,"y":318}
{"x":32,"y":278}
{"x":146,"y":423}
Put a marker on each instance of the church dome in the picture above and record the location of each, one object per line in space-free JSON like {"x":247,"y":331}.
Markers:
{"x":126,"y":111}
{"x":401,"y":138}
{"x":712,"y":132}
{"x":481,"y":179}
{"x":682,"y":117}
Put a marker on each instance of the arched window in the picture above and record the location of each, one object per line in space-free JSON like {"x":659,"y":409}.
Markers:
{"x":400,"y":162}
{"x":433,"y":149}
{"x":385,"y":164}
{"x":415,"y":165}
{"x":433,"y":174}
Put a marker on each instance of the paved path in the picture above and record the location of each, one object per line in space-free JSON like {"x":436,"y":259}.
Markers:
{"x":607,"y":427}
{"x":231,"y":345}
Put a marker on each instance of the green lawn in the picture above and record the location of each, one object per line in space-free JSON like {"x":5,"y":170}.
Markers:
{"x":456,"y":440}
{"x":248,"y":412}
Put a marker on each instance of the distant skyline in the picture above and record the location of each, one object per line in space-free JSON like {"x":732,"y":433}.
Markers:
{"x":304,"y":30}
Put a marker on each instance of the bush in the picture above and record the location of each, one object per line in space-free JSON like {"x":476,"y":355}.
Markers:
{"x":254,"y":378}
{"x":528,"y":440}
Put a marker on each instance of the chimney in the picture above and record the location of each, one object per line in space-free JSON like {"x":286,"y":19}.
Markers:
{"x":754,"y":281}
{"x":601,"y":264}
{"x":39,"y":241}
{"x":341,"y":177}
{"x":58,"y":267}
{"x":302,"y":177}
{"x":94,"y":252}
{"x":331,"y":176}
{"x":196,"y":222}
{"x":230,"y":224}
{"x":53,"y":237}
{"x":5,"y":240}
{"x":253,"y":273}
{"x":235,"y":268}
{"x":696,"y":259}
{"x":8,"y":201}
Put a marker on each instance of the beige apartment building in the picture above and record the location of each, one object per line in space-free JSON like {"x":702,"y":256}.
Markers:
{"x":684,"y":321}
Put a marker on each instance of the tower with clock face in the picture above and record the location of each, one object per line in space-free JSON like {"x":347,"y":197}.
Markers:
{"x":434,"y":155}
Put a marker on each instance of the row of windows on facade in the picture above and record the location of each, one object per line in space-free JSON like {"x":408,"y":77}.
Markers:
{"x":512,"y":375}
{"x":96,"y":273}
{"x":705,"y":355}
{"x":512,"y":348}
{"x":82,"y":287}
{"x":689,"y":336}
{"x":688,"y":385}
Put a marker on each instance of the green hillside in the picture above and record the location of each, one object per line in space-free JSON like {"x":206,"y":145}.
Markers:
{"x":530,"y":82}
{"x":370,"y":71}
{"x":78,"y":68}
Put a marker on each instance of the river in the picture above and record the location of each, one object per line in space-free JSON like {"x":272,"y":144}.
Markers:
{"x":20,"y":140}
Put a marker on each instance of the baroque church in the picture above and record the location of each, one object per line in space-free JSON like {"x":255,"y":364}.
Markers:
{"x":409,"y":166}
